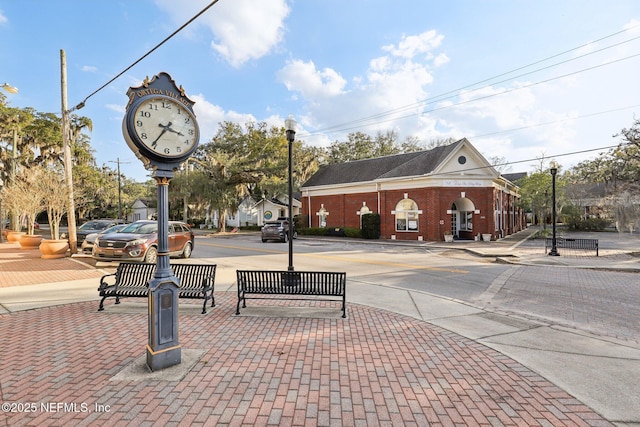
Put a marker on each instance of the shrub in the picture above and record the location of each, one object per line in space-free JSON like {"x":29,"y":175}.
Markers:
{"x":313,"y":231}
{"x":352,"y":232}
{"x":371,"y":226}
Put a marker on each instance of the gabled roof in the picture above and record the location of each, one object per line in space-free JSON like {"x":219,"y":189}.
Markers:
{"x":514,"y":177}
{"x":396,"y":166}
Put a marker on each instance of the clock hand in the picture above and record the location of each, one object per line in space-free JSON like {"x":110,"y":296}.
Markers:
{"x":168,"y":127}
{"x":175,"y":131}
{"x":164,"y":130}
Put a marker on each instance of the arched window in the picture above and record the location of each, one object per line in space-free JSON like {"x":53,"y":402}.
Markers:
{"x":407,"y":213}
{"x":364,"y":210}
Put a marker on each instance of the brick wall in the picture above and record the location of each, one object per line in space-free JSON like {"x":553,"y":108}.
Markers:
{"x":432,"y":201}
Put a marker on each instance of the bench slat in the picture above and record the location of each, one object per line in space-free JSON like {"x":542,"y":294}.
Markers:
{"x":296,"y":283}
{"x":571,"y":243}
{"x":132,"y":280}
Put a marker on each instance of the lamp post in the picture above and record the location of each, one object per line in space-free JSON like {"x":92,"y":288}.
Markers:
{"x":553,"y":168}
{"x":290,"y":125}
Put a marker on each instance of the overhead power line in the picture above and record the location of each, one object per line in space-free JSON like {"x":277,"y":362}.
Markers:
{"x":444,"y":107}
{"x":81,"y":104}
{"x":455,"y":92}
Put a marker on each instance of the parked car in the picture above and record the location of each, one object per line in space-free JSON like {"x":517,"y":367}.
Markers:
{"x":6,"y":224}
{"x":277,"y":230}
{"x":94,"y":226}
{"x":138,"y":242}
{"x":89,"y":240}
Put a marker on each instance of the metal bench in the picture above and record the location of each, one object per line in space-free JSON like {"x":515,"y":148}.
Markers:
{"x":132,"y":280}
{"x":303,"y":285}
{"x":565,"y":243}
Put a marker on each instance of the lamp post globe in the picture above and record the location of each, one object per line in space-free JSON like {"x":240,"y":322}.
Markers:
{"x":290,"y":126}
{"x":9,"y":88}
{"x":553,"y":169}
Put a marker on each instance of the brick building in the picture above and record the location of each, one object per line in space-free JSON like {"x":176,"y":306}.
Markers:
{"x":424,"y":195}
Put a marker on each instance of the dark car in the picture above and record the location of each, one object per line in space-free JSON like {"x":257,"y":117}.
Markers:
{"x":138,"y":242}
{"x":277,"y":230}
{"x":87,"y":243}
{"x":94,"y":226}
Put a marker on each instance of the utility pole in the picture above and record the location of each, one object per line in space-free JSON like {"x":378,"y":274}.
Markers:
{"x":119,"y":187}
{"x":68,"y":166}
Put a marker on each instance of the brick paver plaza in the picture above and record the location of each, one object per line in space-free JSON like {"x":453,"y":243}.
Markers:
{"x":374,"y":368}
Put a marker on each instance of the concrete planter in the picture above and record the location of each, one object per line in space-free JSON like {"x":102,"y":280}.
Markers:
{"x":30,"y":241}
{"x":54,"y":248}
{"x":486,"y":237}
{"x":448,"y":238}
{"x":14,"y":236}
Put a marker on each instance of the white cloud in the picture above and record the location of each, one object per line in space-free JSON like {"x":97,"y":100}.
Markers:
{"x":441,"y":59}
{"x":211,"y":115}
{"x":116,"y":107}
{"x":305,"y":78}
{"x":243,"y":29}
{"x":393,"y":83}
{"x":3,"y":18}
{"x":410,"y":46}
{"x":89,"y":68}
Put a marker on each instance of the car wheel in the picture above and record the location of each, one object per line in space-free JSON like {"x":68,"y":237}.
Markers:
{"x":264,"y":240}
{"x":295,"y":234}
{"x":151,"y":256}
{"x":186,"y":252}
{"x":284,"y":239}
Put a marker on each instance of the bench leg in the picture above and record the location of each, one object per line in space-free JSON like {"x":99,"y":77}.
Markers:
{"x":101,"y":308}
{"x":117,"y":300}
{"x":238,"y":305}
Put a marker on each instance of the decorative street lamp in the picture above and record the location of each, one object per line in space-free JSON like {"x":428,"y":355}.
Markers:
{"x":9,"y":88}
{"x":290,"y":125}
{"x":553,"y":168}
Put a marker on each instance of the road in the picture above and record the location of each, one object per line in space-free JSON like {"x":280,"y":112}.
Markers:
{"x":605,"y":303}
{"x":415,"y":268}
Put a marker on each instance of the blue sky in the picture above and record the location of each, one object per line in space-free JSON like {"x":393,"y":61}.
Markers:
{"x":428,"y":69}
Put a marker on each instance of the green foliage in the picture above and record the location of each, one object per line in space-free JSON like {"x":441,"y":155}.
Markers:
{"x":360,"y":146}
{"x":371,"y":226}
{"x":536,"y":191}
{"x":301,"y":221}
{"x":313,"y":231}
{"x":355,"y":233}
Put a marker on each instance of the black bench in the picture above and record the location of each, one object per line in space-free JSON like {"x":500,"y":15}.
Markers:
{"x":132,"y":280}
{"x":565,"y":243}
{"x":304,"y":285}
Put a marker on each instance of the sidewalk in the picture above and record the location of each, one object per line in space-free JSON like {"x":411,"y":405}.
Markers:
{"x":400,"y":358}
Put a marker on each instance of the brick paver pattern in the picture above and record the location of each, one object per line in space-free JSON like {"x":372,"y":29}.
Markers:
{"x":602,"y":302}
{"x":25,"y":267}
{"x":373,"y":368}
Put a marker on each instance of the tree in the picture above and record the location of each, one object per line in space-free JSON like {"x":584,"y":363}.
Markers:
{"x":24,"y":196}
{"x":54,"y":197}
{"x":536,"y":194}
{"x":241,"y":162}
{"x":618,"y":169}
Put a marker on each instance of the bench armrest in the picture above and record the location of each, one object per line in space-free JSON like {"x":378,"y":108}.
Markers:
{"x":104,"y":281}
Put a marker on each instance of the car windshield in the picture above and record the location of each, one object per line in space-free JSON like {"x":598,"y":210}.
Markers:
{"x":141,"y":228}
{"x":114,"y":229}
{"x":93,"y":225}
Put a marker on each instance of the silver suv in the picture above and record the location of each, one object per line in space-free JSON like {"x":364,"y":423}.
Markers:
{"x":277,"y":230}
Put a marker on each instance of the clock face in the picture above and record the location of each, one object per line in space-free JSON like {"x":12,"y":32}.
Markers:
{"x":165,"y":127}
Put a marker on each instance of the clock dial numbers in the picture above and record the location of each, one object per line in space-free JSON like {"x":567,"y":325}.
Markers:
{"x":165,"y":126}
